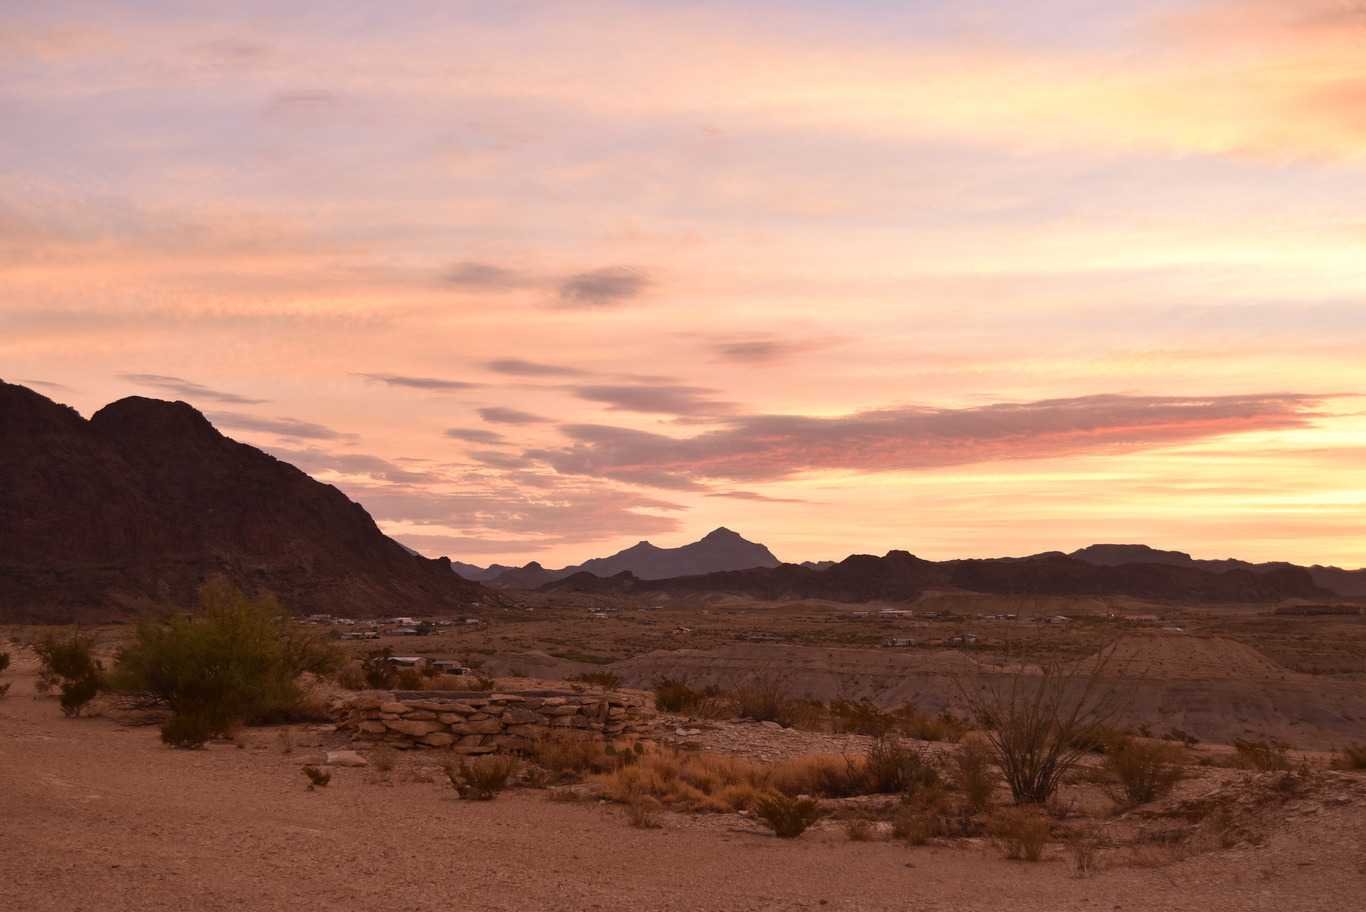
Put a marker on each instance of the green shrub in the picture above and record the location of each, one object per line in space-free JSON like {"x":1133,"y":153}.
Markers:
{"x":789,"y":817}
{"x":1143,"y":770}
{"x":235,"y":660}
{"x":69,"y":663}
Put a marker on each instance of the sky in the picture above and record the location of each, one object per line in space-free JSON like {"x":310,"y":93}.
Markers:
{"x":539,"y":280}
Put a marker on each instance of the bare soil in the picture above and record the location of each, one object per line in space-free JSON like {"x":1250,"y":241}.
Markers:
{"x":96,"y":814}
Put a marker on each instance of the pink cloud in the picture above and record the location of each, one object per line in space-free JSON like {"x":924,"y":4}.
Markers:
{"x":774,"y":447}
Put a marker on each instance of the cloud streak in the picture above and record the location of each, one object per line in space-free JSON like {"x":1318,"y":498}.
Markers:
{"x":281,"y":427}
{"x":776,"y":447}
{"x":431,"y":384}
{"x":188,"y":389}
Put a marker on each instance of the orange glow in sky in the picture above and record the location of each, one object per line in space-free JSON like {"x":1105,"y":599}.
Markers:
{"x":535,"y":281}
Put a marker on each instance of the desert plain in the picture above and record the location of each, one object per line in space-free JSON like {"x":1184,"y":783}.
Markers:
{"x":97,"y":814}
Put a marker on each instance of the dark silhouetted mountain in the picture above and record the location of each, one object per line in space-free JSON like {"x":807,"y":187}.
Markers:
{"x":718,"y":551}
{"x":1155,"y":581}
{"x":1342,"y":582}
{"x":857,"y":578}
{"x":137,"y":507}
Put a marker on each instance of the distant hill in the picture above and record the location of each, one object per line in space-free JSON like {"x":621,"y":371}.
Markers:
{"x":719,"y":550}
{"x":900,"y":576}
{"x":1342,"y":582}
{"x":137,"y":507}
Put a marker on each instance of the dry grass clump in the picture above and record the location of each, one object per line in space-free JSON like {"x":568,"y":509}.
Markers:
{"x":974,"y":768}
{"x":1261,"y":755}
{"x":643,"y":814}
{"x":481,"y":779}
{"x":565,"y":756}
{"x":317,"y":778}
{"x":1020,"y":833}
{"x":857,"y":823}
{"x":1083,"y":844}
{"x":383,"y":757}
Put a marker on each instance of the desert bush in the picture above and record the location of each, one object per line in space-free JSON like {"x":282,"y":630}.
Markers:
{"x":603,"y":679}
{"x":408,"y":679}
{"x":857,"y":824}
{"x":383,"y":757}
{"x":914,"y":822}
{"x":915,"y":723}
{"x":481,"y":779}
{"x":861,"y":718}
{"x":768,"y":699}
{"x":975,"y":770}
{"x":1351,"y":757}
{"x":68,"y":662}
{"x":1261,"y":755}
{"x":1020,"y":832}
{"x":675,"y":696}
{"x":788,"y":817}
{"x":1182,"y":736}
{"x":1083,"y":844}
{"x":891,"y":766}
{"x":4,"y":661}
{"x":317,"y":777}
{"x":564,"y":755}
{"x":235,"y":660}
{"x":1039,"y":726}
{"x":378,"y":671}
{"x":4,"y":689}
{"x":351,"y":678}
{"x":1142,"y":771}
{"x":643,"y":814}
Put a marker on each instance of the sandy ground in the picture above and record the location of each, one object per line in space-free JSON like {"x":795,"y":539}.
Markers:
{"x":98,"y":815}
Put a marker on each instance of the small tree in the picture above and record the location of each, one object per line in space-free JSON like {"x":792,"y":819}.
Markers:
{"x":237,"y":659}
{"x":69,"y":664}
{"x":1039,"y":726}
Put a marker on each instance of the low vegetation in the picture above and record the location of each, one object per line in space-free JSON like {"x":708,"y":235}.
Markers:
{"x":789,"y":817}
{"x":482,"y":778}
{"x":1142,"y":770}
{"x":235,"y":660}
{"x":67,"y":662}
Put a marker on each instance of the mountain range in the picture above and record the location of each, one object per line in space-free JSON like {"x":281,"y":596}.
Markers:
{"x":718,"y":551}
{"x":137,"y":507}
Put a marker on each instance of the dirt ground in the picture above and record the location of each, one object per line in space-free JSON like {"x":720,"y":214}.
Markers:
{"x":96,"y":814}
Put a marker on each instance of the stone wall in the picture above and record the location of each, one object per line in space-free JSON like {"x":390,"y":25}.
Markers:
{"x":480,"y":722}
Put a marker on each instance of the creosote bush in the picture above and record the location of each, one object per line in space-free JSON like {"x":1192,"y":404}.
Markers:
{"x":789,"y":817}
{"x":69,"y":663}
{"x":235,"y":660}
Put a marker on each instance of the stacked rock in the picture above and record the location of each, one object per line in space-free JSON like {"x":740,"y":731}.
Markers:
{"x":480,"y":723}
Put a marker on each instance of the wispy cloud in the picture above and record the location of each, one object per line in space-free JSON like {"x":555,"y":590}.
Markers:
{"x":475,"y":435}
{"x":483,"y":276}
{"x":519,"y":368}
{"x":656,"y":400}
{"x":497,"y":415}
{"x":774,"y":447}
{"x":189,"y":389}
{"x":315,"y":461}
{"x":763,"y":351}
{"x":423,"y":383}
{"x":607,"y":287}
{"x":282,"y":427}
{"x":756,"y":497}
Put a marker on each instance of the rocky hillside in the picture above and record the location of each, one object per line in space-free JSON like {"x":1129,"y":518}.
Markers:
{"x":137,"y":507}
